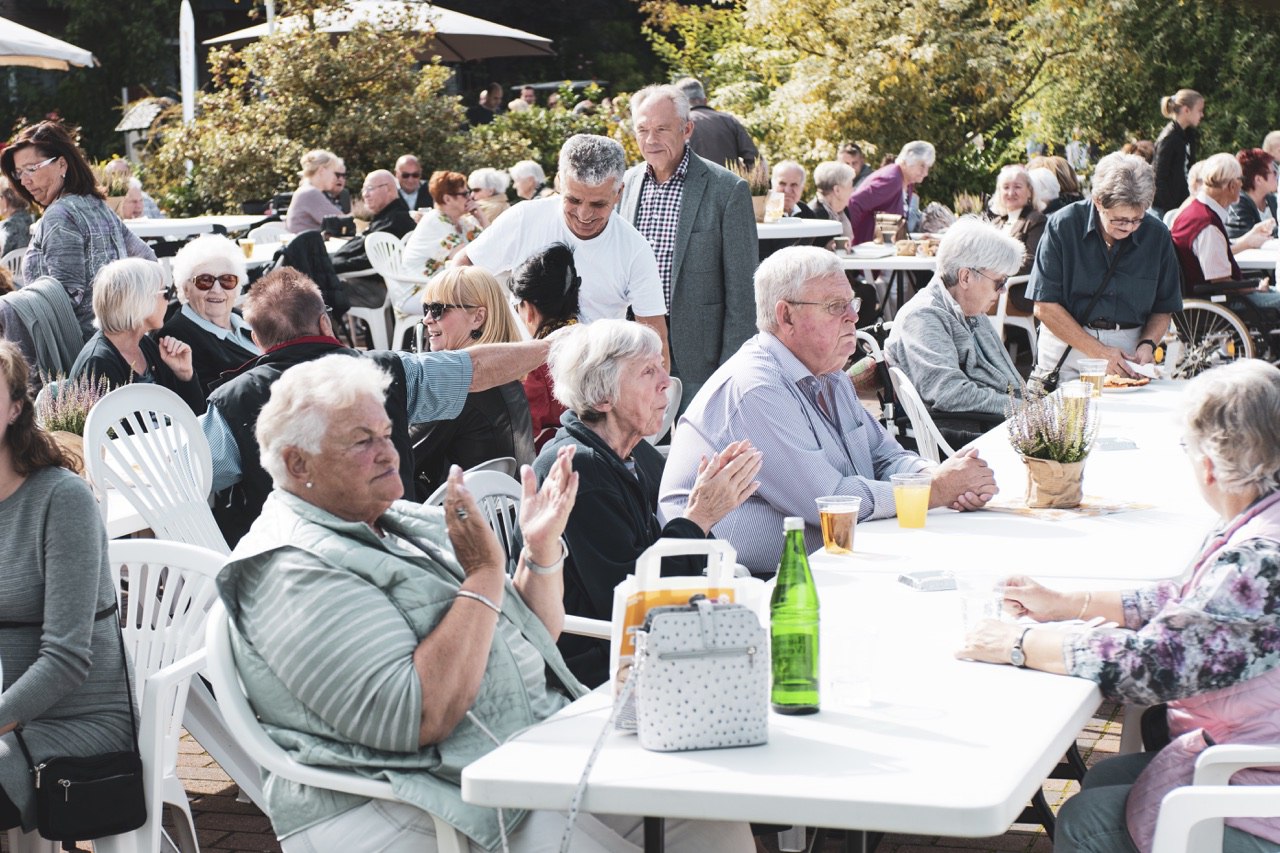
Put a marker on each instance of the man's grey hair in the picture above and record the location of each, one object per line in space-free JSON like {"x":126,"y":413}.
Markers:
{"x":209,"y":253}
{"x":830,"y":174}
{"x":973,"y":244}
{"x":787,"y":166}
{"x":673,"y":94}
{"x":1220,"y":170}
{"x":781,"y":277}
{"x":918,"y":151}
{"x":528,"y":169}
{"x":1271,"y":142}
{"x":304,"y":402}
{"x":1232,"y":416}
{"x":124,"y":294}
{"x":1015,"y":172}
{"x":490,"y":179}
{"x":693,"y":90}
{"x":1044,"y":183}
{"x":593,"y":160}
{"x":586,"y":362}
{"x":1124,"y":180}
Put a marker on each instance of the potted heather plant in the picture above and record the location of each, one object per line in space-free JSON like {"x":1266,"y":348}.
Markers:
{"x":757,"y":178}
{"x":1053,"y":433}
{"x":62,"y":408}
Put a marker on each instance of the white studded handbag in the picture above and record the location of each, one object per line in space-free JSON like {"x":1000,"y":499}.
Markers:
{"x":702,"y":678}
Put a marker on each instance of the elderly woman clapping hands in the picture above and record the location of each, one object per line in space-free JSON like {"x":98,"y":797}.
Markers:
{"x":383,"y":636}
{"x":610,"y":376}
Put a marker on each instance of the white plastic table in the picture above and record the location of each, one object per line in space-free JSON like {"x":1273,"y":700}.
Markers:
{"x":942,"y":747}
{"x":1138,"y":545}
{"x":1257,"y":259}
{"x":188,"y":227}
{"x":797,"y":229}
{"x":898,"y":266}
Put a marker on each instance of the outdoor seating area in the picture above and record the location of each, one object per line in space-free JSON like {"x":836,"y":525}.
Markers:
{"x":394,"y":459}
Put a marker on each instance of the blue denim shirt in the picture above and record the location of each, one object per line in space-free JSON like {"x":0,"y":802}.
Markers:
{"x":1072,"y":260}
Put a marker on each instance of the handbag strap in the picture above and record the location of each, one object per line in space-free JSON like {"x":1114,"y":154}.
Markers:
{"x":124,"y":663}
{"x":1097,"y":294}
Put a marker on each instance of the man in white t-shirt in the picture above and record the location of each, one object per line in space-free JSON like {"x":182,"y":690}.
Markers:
{"x":616,"y":263}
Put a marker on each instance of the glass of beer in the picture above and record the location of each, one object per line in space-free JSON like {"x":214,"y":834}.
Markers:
{"x":246,"y":246}
{"x":839,"y":516}
{"x":774,"y":207}
{"x":1093,"y":371}
{"x":911,"y":496}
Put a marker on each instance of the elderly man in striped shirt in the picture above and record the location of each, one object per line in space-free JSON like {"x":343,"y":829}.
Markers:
{"x":786,"y":391}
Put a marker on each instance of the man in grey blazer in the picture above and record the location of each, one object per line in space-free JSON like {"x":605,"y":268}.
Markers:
{"x":698,"y":218}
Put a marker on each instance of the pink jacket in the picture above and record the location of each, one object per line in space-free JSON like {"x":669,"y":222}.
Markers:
{"x":1248,"y":712}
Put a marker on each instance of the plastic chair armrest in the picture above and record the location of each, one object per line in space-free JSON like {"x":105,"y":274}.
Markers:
{"x":1217,"y":764}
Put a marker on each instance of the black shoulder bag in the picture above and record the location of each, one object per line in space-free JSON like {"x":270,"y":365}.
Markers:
{"x":80,"y":799}
{"x":1049,"y":383}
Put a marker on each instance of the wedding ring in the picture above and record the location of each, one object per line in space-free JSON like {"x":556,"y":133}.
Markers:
{"x":461,"y":513}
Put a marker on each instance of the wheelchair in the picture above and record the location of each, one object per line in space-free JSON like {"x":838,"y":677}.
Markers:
{"x":1217,"y":326}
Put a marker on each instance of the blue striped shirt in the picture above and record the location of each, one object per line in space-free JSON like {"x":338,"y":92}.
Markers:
{"x":761,"y":394}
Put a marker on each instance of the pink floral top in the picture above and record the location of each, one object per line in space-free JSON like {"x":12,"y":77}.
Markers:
{"x":429,"y":248}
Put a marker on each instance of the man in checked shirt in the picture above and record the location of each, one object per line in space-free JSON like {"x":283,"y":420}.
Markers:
{"x":697,"y":216}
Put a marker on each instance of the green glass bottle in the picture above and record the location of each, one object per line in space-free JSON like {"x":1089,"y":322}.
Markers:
{"x":793,"y":627}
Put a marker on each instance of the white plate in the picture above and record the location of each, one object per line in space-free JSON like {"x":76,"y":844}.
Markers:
{"x":1124,"y":389}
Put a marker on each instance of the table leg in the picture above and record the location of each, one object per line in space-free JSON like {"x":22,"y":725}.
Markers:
{"x":655,"y":835}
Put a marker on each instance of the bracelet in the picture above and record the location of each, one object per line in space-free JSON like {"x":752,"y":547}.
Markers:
{"x":554,"y":568}
{"x":483,"y":599}
{"x":1147,"y":341}
{"x":1088,"y":596}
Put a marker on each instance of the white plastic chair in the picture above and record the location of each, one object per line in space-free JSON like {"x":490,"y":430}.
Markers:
{"x":1003,"y":318}
{"x":268,"y":232}
{"x":13,"y":263}
{"x":498,"y":497}
{"x":928,"y":440}
{"x":502,"y":464}
{"x":146,"y":443}
{"x":385,"y":252}
{"x":1191,"y":817}
{"x":247,"y":730}
{"x":165,"y":590}
{"x":374,"y":318}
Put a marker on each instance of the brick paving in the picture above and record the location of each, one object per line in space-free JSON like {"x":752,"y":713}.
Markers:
{"x":224,"y":825}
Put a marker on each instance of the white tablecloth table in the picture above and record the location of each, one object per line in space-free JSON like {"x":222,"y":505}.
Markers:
{"x":937,"y":745}
{"x":1137,"y":545}
{"x":1257,"y":259}
{"x":189,"y":227}
{"x":797,"y":229}
{"x":898,"y":267}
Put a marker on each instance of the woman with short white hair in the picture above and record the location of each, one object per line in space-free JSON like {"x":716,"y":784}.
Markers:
{"x":1017,"y":212}
{"x":489,"y":189}
{"x":944,"y":343}
{"x":529,"y":180}
{"x":310,"y":205}
{"x":129,"y":300}
{"x":386,"y":637}
{"x":208,"y":273}
{"x":1204,"y":644}
{"x":610,"y":376}
{"x":890,"y":189}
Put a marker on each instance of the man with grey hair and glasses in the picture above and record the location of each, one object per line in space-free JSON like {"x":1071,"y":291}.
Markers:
{"x":786,"y":391}
{"x":616,"y":264}
{"x":698,"y":218}
{"x":1106,"y":280}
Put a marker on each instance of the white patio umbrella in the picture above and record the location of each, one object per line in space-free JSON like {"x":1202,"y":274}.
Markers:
{"x":21,"y":45}
{"x":458,"y":37}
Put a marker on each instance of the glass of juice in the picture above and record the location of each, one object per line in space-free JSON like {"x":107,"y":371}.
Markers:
{"x":1093,"y":371}
{"x":911,"y":495}
{"x":246,"y":246}
{"x":839,"y":516}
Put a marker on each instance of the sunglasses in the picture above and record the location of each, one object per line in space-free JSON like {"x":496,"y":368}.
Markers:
{"x":229,"y":281}
{"x":436,"y":310}
{"x":411,"y":174}
{"x":340,"y":175}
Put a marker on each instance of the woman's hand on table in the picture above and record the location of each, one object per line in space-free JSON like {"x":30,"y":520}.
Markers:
{"x":474,"y":543}
{"x":177,"y":355}
{"x":1025,"y":597}
{"x":723,"y":482}
{"x":990,"y":642}
{"x":545,"y":512}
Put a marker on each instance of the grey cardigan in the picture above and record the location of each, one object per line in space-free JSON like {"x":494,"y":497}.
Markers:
{"x":957,"y":365}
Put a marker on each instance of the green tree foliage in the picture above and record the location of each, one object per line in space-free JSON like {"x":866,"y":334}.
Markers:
{"x":364,"y":96}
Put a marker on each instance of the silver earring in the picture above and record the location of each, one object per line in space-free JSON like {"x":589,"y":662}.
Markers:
{"x":308,"y":484}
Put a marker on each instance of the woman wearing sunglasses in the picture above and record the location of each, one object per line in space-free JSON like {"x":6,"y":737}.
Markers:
{"x":129,"y":301}
{"x":455,"y":221}
{"x":78,"y":234}
{"x":462,"y":307}
{"x":209,"y":272}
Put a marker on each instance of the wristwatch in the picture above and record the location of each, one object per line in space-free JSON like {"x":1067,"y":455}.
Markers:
{"x":1147,"y":341}
{"x":1017,"y":657}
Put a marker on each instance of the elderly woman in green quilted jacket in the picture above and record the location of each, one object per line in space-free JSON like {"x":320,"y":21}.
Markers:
{"x":385,"y":637}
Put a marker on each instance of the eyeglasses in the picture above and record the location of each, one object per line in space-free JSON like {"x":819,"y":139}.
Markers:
{"x":836,"y":307}
{"x":342,"y":176}
{"x":1123,"y":223}
{"x":229,"y":281}
{"x":410,"y":174}
{"x":475,"y":190}
{"x":998,"y":282}
{"x":465,"y":193}
{"x":374,"y":189}
{"x":28,"y":171}
{"x":436,"y":310}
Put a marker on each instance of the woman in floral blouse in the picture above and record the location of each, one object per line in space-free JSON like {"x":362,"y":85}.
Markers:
{"x":1209,"y":646}
{"x":454,"y":222}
